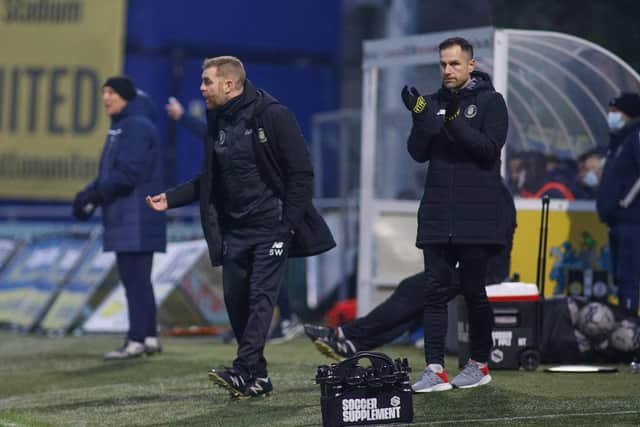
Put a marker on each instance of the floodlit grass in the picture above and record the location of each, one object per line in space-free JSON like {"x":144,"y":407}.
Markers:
{"x":64,"y":382}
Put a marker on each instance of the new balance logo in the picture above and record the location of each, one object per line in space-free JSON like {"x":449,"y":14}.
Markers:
{"x":277,"y":249}
{"x":237,"y":381}
{"x":256,"y":388}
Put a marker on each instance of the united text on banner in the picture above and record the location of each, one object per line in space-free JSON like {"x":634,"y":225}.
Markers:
{"x":55,"y":56}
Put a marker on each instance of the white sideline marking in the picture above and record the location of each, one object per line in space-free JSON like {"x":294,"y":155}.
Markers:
{"x":532,"y":417}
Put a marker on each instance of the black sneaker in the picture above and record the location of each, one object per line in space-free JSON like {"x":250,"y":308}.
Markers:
{"x":258,"y":387}
{"x":316,"y":331}
{"x":335,"y":346}
{"x":229,"y":379}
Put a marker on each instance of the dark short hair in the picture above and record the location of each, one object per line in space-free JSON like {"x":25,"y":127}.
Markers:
{"x":457,"y":41}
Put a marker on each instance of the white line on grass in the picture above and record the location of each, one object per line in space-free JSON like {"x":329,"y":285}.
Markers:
{"x":532,"y":417}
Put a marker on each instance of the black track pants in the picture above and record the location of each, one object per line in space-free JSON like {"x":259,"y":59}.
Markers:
{"x":401,"y":312}
{"x":253,"y":270}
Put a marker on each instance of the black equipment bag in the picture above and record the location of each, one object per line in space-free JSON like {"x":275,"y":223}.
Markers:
{"x":352,"y":394}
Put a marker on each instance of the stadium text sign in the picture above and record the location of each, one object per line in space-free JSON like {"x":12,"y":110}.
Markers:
{"x":56,"y":54}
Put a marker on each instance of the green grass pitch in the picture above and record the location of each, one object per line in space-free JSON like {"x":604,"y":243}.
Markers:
{"x":64,"y":382}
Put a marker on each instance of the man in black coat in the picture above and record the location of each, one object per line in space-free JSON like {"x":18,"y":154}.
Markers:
{"x":288,"y":325}
{"x":402,"y":311}
{"x":255,"y":208}
{"x":460,"y":130}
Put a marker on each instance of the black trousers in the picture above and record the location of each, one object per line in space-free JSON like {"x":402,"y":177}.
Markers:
{"x":401,"y":312}
{"x":135,"y":272}
{"x":440,"y":261}
{"x":253,"y":270}
{"x":404,"y":309}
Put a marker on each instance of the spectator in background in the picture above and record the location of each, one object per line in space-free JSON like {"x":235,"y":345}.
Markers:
{"x":563,"y":178}
{"x":196,"y":126}
{"x":517,"y":173}
{"x":559,"y":181}
{"x":527,"y":173}
{"x":589,"y":174}
{"x":130,"y":168}
{"x":288,"y":325}
{"x":617,"y":200}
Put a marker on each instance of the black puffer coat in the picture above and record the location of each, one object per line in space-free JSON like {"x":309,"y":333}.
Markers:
{"x":284,"y":165}
{"x":462,"y":188}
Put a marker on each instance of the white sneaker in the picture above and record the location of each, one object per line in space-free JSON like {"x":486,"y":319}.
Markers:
{"x":286,"y":330}
{"x":152,"y":346}
{"x":130,"y":350}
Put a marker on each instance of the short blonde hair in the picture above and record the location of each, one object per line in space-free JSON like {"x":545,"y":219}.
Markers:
{"x":228,"y":67}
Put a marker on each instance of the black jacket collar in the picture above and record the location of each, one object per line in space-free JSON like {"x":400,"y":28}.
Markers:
{"x":480,"y":81}
{"x":234,"y":105}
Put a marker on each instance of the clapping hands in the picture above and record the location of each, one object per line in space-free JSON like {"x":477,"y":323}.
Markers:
{"x":413,"y":100}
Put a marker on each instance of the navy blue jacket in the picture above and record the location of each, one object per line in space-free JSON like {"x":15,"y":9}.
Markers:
{"x":621,"y":171}
{"x":461,"y":202}
{"x":131,"y":168}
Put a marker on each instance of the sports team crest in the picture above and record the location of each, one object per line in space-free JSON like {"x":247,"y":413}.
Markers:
{"x":471,"y":111}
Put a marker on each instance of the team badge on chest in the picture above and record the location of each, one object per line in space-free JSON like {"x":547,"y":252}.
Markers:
{"x":221,"y":137}
{"x":471,"y":111}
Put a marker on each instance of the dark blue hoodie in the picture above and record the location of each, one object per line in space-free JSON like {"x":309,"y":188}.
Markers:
{"x":131,"y":167}
{"x":621,"y":170}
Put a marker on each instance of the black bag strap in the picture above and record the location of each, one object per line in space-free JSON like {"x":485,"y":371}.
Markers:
{"x":261,"y":144}
{"x":257,"y":122}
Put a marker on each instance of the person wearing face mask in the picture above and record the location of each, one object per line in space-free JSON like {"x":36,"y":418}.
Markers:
{"x":589,"y":174}
{"x":617,"y":200}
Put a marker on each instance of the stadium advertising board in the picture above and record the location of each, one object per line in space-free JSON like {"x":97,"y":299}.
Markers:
{"x":34,"y":276}
{"x":55,"y":56}
{"x":71,"y":305}
{"x":7,"y":248}
{"x":174,"y":288}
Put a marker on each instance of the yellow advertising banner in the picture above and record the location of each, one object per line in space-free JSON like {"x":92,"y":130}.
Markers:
{"x":55,"y":56}
{"x":576,"y":240}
